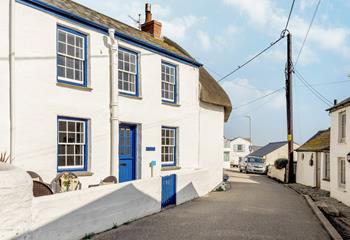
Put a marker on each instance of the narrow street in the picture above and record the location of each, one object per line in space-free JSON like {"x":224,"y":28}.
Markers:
{"x":255,"y":207}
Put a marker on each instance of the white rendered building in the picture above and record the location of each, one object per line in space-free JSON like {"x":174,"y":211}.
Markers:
{"x":86,"y":93}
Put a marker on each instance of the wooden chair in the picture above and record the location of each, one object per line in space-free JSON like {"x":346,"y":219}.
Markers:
{"x":35,"y":176}
{"x":41,"y":189}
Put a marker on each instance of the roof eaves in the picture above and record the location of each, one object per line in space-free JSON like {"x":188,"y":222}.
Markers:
{"x":39,"y":5}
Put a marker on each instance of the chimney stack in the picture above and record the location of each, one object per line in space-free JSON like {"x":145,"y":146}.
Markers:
{"x":335,"y":102}
{"x":151,"y":26}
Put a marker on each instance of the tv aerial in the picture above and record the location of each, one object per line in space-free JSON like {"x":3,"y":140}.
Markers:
{"x":137,"y":22}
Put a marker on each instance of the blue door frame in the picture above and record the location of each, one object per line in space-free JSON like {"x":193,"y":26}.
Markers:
{"x":127,"y":152}
{"x":168,"y":190}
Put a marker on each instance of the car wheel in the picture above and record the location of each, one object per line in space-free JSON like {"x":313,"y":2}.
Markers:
{"x":240,"y":170}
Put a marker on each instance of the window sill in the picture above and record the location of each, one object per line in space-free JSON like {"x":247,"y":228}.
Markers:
{"x":171,"y":104}
{"x":326,"y":180}
{"x":83,"y":174}
{"x":170,"y":168}
{"x":67,"y":85}
{"x":130,"y":96}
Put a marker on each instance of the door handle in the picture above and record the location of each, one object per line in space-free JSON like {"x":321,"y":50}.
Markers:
{"x":123,"y":164}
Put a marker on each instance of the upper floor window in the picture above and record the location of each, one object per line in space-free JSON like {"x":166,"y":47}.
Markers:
{"x":168,"y":146}
{"x":226,"y":156}
{"x":72,"y":144}
{"x":127,"y":74}
{"x":240,"y":148}
{"x":71,"y":56}
{"x":342,"y":127}
{"x":169,"y":83}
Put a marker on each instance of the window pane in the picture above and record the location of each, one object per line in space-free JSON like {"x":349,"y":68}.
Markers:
{"x":70,"y":160}
{"x":70,"y":73}
{"x":61,"y":36}
{"x":62,"y":137}
{"x":62,"y":126}
{"x":62,"y":48}
{"x":71,"y":137}
{"x":70,"y":39}
{"x":61,"y":149}
{"x":61,"y":161}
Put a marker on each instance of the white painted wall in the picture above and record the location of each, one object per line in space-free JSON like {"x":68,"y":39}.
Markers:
{"x":95,"y":209}
{"x":281,"y":152}
{"x":211,"y":135}
{"x":339,"y":150}
{"x":40,"y":101}
{"x":306,"y":174}
{"x":16,"y":201}
{"x":4,"y":79}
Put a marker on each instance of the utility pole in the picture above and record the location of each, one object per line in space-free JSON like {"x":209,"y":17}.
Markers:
{"x":289,"y":98}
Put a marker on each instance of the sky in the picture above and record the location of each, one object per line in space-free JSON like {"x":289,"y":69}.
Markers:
{"x":223,"y":34}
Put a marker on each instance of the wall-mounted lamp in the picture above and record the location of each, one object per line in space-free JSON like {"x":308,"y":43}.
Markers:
{"x":348,"y":157}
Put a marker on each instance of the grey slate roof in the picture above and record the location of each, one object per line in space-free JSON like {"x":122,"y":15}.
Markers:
{"x":268,"y":149}
{"x":344,"y":103}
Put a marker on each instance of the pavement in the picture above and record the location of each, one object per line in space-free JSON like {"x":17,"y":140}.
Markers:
{"x":255,"y":207}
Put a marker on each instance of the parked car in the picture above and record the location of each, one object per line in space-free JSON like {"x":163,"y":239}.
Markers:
{"x":253,"y":165}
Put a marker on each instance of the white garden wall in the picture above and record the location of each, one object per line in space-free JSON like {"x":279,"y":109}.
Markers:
{"x":275,"y":173}
{"x":306,"y":174}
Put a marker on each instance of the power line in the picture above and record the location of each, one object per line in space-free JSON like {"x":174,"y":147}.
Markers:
{"x":307,"y":32}
{"x":312,"y":89}
{"x":290,"y":13}
{"x":251,"y":59}
{"x":257,"y":99}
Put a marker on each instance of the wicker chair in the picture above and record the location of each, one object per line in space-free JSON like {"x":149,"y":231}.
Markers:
{"x":35,"y":176}
{"x":65,"y":181}
{"x":41,"y":189}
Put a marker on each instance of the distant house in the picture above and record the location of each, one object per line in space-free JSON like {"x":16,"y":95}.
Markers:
{"x":235,"y":150}
{"x":340,"y":151}
{"x":313,"y":168}
{"x":272,"y":151}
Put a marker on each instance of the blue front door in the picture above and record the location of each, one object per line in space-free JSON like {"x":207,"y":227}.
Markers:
{"x":127,"y":153}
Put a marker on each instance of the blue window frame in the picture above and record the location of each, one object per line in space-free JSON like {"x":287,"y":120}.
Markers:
{"x":72,"y":144}
{"x":169,"y":83}
{"x":128,"y":72}
{"x":169,"y":146}
{"x":71,"y":57}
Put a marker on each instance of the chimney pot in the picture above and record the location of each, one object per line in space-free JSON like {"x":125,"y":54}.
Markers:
{"x":335,"y":101}
{"x":151,"y":26}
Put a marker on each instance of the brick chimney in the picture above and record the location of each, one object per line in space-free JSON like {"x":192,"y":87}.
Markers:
{"x":151,"y":26}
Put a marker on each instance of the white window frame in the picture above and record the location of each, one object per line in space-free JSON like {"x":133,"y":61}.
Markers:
{"x":226,"y":156}
{"x":326,"y":166}
{"x":170,"y":143}
{"x":172,"y":81}
{"x":121,"y":70}
{"x":342,"y":128}
{"x":242,"y":147}
{"x":76,"y":35}
{"x":82,"y":144}
{"x":341,"y":172}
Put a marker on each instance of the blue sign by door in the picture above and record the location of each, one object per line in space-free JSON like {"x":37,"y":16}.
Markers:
{"x":127,"y":153}
{"x":168,"y":190}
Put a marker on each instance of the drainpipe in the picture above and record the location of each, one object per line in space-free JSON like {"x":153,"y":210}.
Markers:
{"x":12,"y":78}
{"x":114,"y":121}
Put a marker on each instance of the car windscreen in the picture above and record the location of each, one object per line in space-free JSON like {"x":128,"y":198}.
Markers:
{"x":255,"y":160}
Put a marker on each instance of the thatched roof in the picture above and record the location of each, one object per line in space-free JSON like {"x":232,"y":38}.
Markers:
{"x":318,"y":143}
{"x":211,"y":92}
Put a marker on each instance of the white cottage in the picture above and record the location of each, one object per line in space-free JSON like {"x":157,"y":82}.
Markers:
{"x":83,"y":92}
{"x":313,"y":164}
{"x":340,"y":151}
{"x":236,"y":150}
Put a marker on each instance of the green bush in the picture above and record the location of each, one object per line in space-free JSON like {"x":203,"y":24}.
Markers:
{"x":281,"y":163}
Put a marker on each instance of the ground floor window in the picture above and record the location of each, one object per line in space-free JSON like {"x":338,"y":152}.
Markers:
{"x":169,"y":146}
{"x":341,"y":172}
{"x":72,"y":144}
{"x":326,"y":167}
{"x":226,"y":156}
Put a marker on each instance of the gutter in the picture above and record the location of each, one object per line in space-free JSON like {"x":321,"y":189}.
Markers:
{"x":12,"y":78}
{"x":114,"y":94}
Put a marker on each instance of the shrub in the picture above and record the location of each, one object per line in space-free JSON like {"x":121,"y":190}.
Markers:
{"x":281,"y":163}
{"x":4,"y":157}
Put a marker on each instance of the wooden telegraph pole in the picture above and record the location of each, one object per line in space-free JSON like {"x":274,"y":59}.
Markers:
{"x":289,"y":98}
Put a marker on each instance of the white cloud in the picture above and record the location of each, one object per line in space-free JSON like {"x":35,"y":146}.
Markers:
{"x":266,"y":15}
{"x":204,"y":39}
{"x":241,"y":91}
{"x":178,"y":28}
